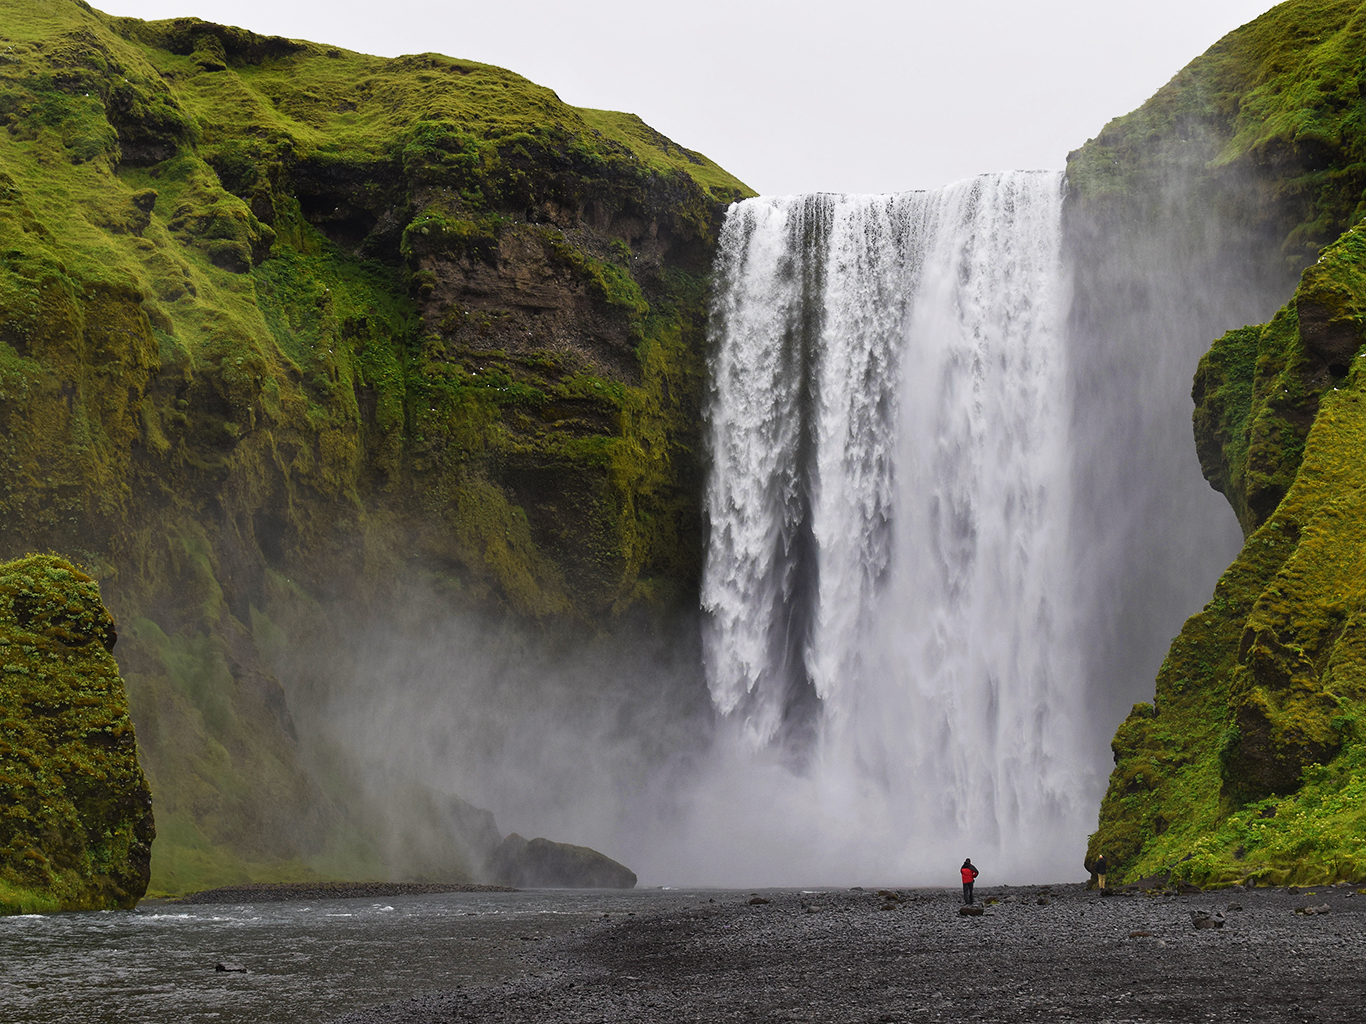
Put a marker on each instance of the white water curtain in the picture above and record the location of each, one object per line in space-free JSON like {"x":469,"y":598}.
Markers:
{"x":887,"y":507}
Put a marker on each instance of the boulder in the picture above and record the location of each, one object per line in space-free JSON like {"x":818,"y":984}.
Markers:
{"x":970,"y":911}
{"x":543,"y":864}
{"x":76,"y":823}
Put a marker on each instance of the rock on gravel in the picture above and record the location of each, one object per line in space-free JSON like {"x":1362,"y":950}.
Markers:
{"x":840,"y":956}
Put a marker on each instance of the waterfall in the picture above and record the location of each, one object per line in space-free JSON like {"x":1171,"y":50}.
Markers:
{"x":888,"y":584}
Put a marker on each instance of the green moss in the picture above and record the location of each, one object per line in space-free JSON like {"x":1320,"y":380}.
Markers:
{"x":1264,"y":134}
{"x":1259,"y":689}
{"x":1274,"y":109}
{"x":75,"y":811}
{"x":1257,"y":390}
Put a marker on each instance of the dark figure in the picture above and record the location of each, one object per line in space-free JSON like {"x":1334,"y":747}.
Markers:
{"x":969,"y":874}
{"x":1100,"y":871}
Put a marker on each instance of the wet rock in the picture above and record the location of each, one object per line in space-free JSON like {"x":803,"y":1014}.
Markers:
{"x":970,"y":911}
{"x":541,"y":863}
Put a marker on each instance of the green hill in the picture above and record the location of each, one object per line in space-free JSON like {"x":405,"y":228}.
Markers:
{"x":284,"y":327}
{"x":1249,"y":763}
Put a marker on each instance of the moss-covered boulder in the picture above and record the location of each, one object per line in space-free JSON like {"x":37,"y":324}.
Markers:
{"x":75,"y":812}
{"x":1248,"y":764}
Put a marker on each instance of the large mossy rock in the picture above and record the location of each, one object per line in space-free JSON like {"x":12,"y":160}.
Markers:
{"x":284,"y":328}
{"x":75,"y":812}
{"x":1249,"y":763}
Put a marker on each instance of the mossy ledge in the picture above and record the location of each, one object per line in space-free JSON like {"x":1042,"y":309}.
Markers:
{"x":282,"y":325}
{"x":1249,"y":765}
{"x":76,"y":824}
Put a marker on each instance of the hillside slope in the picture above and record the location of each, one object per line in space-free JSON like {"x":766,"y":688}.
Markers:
{"x":284,"y":327}
{"x":1248,"y":763}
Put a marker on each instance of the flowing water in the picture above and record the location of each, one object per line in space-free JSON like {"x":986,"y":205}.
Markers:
{"x":304,"y":962}
{"x":888,"y":579}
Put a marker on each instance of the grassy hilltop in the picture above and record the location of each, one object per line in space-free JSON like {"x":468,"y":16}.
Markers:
{"x":1250,"y":762}
{"x":282,"y":326}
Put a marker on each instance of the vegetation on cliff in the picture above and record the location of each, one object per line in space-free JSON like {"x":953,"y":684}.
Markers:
{"x":1249,"y":764}
{"x":282,"y":324}
{"x":75,"y":812}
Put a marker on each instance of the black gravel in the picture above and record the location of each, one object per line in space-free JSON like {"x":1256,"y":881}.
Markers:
{"x":279,"y":892}
{"x":1059,"y":953}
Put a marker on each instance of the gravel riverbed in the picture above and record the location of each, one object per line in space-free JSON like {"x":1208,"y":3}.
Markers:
{"x":1056,"y":953}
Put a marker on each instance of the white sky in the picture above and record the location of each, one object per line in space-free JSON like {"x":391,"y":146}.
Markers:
{"x":800,"y":96}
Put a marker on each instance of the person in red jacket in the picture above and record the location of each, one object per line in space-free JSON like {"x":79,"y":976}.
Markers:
{"x":969,"y":875}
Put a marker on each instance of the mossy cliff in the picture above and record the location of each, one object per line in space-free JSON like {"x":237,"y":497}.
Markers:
{"x":75,"y":812}
{"x":282,"y":325}
{"x":1249,"y":763}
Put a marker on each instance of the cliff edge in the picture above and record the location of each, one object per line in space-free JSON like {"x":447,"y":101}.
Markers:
{"x":1249,"y":764}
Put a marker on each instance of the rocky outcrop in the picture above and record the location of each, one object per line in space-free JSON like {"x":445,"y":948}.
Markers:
{"x":541,"y":863}
{"x":76,"y":824}
{"x":1248,"y":763}
{"x":284,"y":328}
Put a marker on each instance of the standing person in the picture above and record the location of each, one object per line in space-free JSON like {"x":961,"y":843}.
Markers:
{"x":969,"y":876}
{"x":1100,"y":871}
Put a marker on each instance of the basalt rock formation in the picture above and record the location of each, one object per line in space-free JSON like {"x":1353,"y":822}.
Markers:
{"x":284,"y":327}
{"x":76,"y":824}
{"x":1249,"y":763}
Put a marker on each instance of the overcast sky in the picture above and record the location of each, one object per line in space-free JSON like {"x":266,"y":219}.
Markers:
{"x":800,"y":96}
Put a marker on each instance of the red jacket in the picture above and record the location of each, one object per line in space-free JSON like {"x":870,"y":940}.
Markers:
{"x":968,"y":875}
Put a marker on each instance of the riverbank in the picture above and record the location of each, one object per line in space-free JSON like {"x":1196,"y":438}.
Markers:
{"x":1040,"y":953}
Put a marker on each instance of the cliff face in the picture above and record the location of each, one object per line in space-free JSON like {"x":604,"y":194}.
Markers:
{"x":284,"y":326}
{"x":75,"y":813}
{"x":1248,"y":763}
